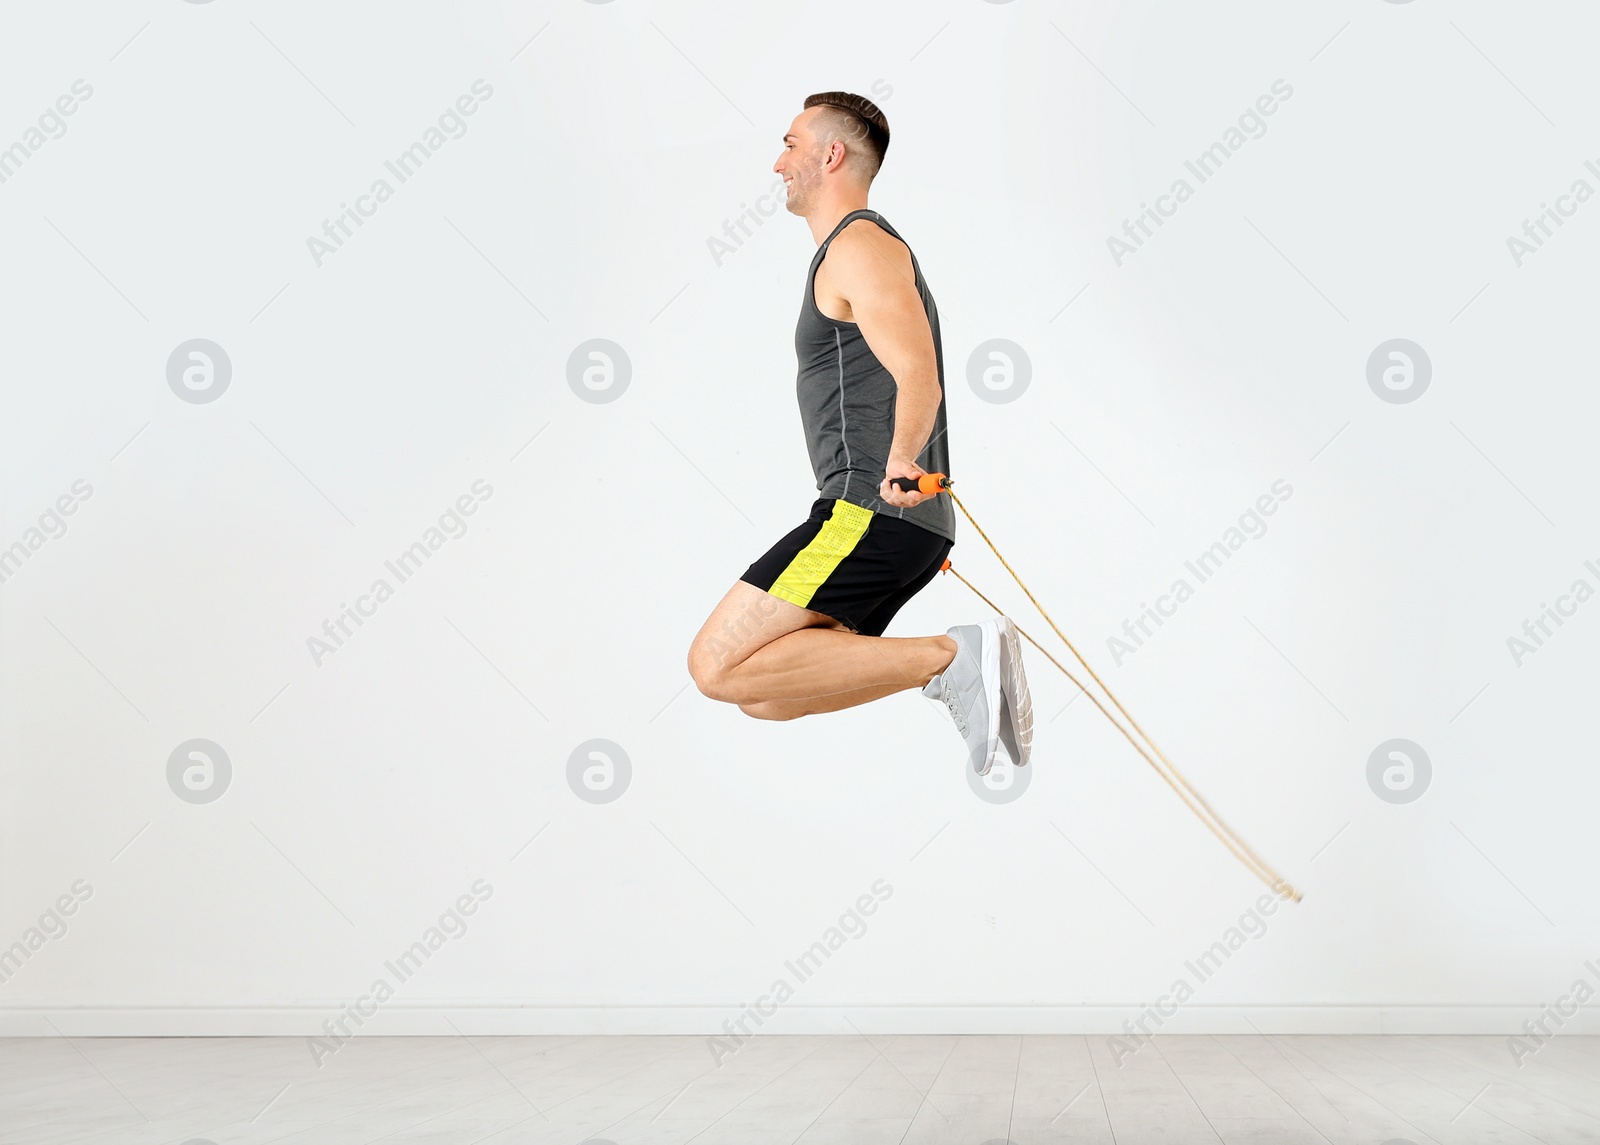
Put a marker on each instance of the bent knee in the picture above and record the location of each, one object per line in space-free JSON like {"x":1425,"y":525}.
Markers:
{"x":711,"y":675}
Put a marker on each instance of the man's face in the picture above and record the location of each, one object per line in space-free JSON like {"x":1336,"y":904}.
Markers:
{"x":801,"y":163}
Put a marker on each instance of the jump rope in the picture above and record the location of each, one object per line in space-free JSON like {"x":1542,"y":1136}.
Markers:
{"x":935,"y":483}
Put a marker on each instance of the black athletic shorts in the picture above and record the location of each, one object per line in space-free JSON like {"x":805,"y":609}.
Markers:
{"x":850,"y":563}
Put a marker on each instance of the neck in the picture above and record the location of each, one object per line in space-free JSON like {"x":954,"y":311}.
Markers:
{"x":835,"y":205}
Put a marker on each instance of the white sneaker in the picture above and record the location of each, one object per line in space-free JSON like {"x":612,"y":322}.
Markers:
{"x":1016,"y":704}
{"x":971,"y":689}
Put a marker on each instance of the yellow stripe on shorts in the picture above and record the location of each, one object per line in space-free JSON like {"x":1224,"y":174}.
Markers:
{"x":815,"y":563}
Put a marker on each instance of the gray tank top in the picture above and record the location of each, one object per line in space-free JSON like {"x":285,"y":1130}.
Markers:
{"x":847,"y":403}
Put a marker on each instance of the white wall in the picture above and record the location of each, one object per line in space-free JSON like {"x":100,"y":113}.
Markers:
{"x":368,"y":393}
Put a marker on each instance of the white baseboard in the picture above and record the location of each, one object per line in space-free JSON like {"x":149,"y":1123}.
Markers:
{"x":509,"y":1018}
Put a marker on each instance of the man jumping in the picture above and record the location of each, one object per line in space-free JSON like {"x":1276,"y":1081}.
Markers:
{"x":800,"y":632}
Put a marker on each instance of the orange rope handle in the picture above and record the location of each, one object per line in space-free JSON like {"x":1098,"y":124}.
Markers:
{"x":1191,"y":797}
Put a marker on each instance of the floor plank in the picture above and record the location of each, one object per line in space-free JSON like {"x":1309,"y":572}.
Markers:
{"x":855,"y":1090}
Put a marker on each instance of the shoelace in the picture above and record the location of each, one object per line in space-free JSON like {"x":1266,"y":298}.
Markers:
{"x":955,"y":711}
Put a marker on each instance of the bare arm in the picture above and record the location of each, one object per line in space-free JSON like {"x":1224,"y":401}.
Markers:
{"x":872,"y":272}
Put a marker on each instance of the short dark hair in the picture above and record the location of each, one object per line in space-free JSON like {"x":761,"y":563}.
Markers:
{"x":857,"y":119}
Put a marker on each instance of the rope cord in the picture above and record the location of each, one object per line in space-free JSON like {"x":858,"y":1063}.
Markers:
{"x":1183,"y":794}
{"x":1176,"y":780}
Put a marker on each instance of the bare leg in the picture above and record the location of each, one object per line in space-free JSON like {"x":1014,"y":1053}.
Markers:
{"x":827,"y":661}
{"x":756,"y":648}
{"x":816,"y":705}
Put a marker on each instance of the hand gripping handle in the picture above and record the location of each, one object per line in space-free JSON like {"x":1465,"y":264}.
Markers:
{"x":929,"y":483}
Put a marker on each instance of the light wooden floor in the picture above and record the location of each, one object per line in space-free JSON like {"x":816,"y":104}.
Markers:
{"x":811,"y":1090}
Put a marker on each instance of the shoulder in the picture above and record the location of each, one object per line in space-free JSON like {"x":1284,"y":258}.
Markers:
{"x":863,"y":236}
{"x":864,"y":248}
